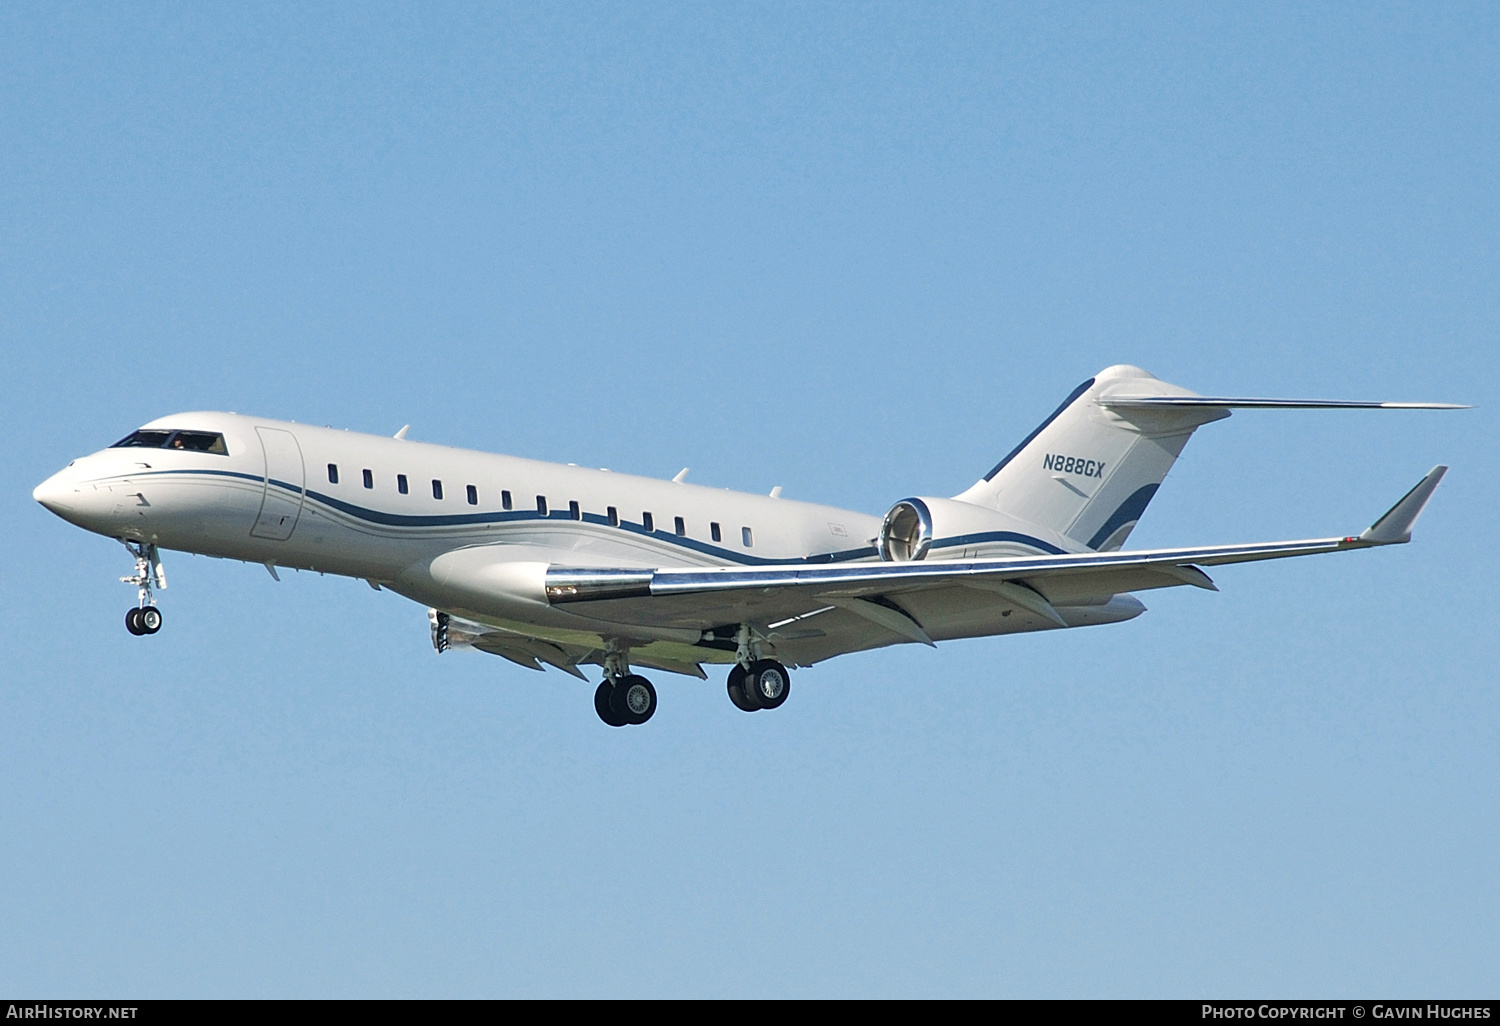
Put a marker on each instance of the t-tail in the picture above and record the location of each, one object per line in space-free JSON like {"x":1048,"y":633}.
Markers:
{"x":1090,"y":470}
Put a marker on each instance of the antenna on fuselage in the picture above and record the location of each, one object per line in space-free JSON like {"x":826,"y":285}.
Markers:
{"x":681,"y":476}
{"x":401,"y":435}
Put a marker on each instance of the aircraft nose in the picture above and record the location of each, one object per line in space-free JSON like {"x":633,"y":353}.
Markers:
{"x":56,"y":494}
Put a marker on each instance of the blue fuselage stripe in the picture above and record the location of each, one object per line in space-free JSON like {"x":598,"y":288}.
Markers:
{"x":998,"y":536}
{"x":385,"y":519}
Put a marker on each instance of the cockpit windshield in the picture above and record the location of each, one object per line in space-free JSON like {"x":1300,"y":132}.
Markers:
{"x":191,"y":441}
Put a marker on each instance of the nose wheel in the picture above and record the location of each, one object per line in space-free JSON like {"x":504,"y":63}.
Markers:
{"x":145,"y":618}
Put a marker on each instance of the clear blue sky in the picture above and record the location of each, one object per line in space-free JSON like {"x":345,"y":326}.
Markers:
{"x":855,"y":250}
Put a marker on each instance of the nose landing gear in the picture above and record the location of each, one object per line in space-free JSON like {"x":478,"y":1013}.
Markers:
{"x":145,"y":618}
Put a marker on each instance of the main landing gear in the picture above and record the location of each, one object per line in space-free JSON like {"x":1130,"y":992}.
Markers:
{"x":627,"y":701}
{"x":755,"y":683}
{"x":623,"y":698}
{"x":765,"y":685}
{"x":145,"y":618}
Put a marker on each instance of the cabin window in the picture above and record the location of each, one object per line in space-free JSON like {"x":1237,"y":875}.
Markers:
{"x":541,"y":504}
{"x":746,"y":537}
{"x":369,"y":479}
{"x":614,"y":517}
{"x":401,"y":484}
{"x":437,"y":488}
{"x":473,"y":495}
{"x":714,"y":532}
{"x":574,"y":512}
{"x":505,"y":500}
{"x":333,"y":473}
{"x":679,"y":526}
{"x":648,"y":522}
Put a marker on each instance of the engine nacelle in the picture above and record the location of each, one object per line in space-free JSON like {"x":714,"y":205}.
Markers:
{"x":925,"y":527}
{"x":906,"y":532}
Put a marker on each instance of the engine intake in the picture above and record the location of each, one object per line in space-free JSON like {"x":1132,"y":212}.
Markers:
{"x":906,"y":533}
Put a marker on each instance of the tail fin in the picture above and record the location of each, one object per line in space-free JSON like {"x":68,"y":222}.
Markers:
{"x":1090,"y":469}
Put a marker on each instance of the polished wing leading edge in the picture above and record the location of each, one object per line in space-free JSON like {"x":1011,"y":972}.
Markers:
{"x":882,"y":593}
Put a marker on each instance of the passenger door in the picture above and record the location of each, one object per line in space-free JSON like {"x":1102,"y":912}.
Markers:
{"x":285,"y":485}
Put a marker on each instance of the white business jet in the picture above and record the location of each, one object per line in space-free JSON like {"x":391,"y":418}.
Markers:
{"x":565,"y":566}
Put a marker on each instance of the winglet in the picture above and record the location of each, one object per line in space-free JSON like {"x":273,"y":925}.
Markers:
{"x":1395,"y":527}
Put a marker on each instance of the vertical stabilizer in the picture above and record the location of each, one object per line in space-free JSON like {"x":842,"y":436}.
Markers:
{"x":1089,"y":471}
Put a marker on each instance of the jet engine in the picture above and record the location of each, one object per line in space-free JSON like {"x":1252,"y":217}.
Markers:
{"x":926,"y":527}
{"x":906,"y":533}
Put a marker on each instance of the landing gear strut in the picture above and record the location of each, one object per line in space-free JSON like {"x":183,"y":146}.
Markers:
{"x":145,"y":618}
{"x":756,"y":683}
{"x":623,"y":698}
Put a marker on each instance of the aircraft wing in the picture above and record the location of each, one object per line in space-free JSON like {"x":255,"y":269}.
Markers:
{"x":820,"y":611}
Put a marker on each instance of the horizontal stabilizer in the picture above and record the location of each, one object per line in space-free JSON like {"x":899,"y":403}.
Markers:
{"x":1395,"y":527}
{"x":1146,"y":402}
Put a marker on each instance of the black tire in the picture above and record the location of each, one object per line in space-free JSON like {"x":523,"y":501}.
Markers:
{"x":634,"y":699}
{"x":737,"y":693}
{"x":768,"y":684}
{"x":601,"y":705}
{"x":132,"y":624}
{"x":149,"y":620}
